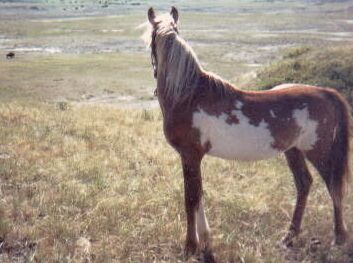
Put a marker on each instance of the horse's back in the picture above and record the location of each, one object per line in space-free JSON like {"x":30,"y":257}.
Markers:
{"x":290,"y":85}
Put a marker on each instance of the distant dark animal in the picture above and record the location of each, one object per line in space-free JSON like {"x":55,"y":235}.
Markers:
{"x":203,"y":114}
{"x":10,"y":55}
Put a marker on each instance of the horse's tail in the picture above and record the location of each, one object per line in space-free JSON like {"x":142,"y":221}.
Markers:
{"x":340,"y":150}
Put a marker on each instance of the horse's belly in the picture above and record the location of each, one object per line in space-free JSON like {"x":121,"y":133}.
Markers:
{"x":259,"y":152}
{"x":246,"y":148}
{"x":241,"y":140}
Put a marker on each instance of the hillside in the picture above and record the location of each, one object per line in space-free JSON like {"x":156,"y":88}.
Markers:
{"x":326,"y":67}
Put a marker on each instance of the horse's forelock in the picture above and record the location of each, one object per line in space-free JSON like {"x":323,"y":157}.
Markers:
{"x":163,"y":20}
{"x":147,"y":33}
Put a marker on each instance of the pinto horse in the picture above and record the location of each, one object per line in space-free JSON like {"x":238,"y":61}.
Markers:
{"x":203,"y":114}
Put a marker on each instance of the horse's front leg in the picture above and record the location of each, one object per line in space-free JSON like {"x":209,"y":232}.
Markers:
{"x":196,"y":220}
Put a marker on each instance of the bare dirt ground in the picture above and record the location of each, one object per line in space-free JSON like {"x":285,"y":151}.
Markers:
{"x":125,"y":102}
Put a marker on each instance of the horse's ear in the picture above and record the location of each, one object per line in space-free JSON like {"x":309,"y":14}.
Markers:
{"x":151,"y":15}
{"x":174,"y":13}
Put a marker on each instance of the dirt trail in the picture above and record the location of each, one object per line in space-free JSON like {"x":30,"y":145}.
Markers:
{"x":124,"y":102}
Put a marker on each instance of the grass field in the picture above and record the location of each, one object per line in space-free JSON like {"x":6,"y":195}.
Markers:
{"x":98,"y":183}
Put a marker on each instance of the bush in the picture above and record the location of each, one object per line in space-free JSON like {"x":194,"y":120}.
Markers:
{"x":325,"y":67}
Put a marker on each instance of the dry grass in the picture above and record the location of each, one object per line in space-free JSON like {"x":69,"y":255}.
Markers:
{"x":98,"y":184}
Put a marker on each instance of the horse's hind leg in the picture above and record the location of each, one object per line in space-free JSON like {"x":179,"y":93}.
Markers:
{"x":303,"y":181}
{"x":324,"y":167}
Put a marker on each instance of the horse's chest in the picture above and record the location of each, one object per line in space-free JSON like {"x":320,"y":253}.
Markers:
{"x":234,"y":140}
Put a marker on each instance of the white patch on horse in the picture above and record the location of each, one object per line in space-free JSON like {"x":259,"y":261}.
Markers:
{"x":242,"y":141}
{"x":308,"y":136}
{"x":272,"y":114}
{"x":238,"y":104}
{"x":334,"y":133}
{"x":203,"y":229}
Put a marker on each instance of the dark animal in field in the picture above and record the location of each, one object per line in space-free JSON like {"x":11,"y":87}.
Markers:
{"x":204,"y":114}
{"x":10,"y":55}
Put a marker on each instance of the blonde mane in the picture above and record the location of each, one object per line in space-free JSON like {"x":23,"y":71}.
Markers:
{"x":179,"y":70}
{"x":182,"y":69}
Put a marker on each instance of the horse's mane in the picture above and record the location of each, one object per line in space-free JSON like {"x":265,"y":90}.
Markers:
{"x":180,"y":68}
{"x":183,"y":70}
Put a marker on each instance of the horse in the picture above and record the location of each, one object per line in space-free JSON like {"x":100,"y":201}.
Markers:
{"x":205,"y":115}
{"x":10,"y":55}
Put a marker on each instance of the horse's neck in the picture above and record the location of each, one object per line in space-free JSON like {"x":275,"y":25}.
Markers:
{"x":210,"y":90}
{"x":172,"y":96}
{"x":181,"y":78}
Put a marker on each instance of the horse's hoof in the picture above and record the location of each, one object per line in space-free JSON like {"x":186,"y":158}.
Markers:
{"x":284,"y":244}
{"x":205,"y":244}
{"x":207,"y":256}
{"x":340,"y":239}
{"x":314,"y":245}
{"x":191,"y":248}
{"x":287,"y":241}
